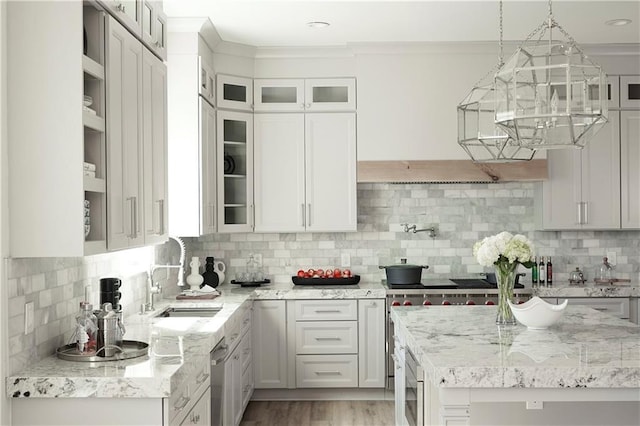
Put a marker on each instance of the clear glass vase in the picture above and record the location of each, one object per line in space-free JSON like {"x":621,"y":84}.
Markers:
{"x":506,"y":279}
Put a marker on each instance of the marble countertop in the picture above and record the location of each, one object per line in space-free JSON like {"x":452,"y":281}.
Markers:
{"x":461,"y":347}
{"x":589,"y":290}
{"x":176,"y":347}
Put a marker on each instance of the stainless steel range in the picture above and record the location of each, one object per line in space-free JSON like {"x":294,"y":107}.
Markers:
{"x":465,"y":291}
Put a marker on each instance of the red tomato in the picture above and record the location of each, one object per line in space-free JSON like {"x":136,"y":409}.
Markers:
{"x":328,"y":273}
{"x":311,"y":272}
{"x":300,"y":273}
{"x":320,"y":272}
{"x":395,"y":303}
{"x":337,"y":273}
{"x":346,"y":273}
{"x":306,"y":275}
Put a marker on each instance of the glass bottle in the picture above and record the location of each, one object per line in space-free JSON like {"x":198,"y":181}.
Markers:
{"x":542,"y":272}
{"x":534,"y":272}
{"x":549,"y":272}
{"x":86,"y":329}
{"x":252,"y":269}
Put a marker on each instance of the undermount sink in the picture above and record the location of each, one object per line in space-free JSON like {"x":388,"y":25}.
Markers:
{"x":189,"y":312}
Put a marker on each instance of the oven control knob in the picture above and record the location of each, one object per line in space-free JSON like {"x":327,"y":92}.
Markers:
{"x":407,"y":303}
{"x":395,"y":303}
{"x":470,"y":302}
{"x":489,"y":302}
{"x":426,"y":302}
{"x":446,"y":302}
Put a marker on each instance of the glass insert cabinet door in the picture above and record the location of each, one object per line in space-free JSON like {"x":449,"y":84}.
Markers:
{"x":330,"y":94}
{"x":235,"y":171}
{"x":234,"y":92}
{"x":279,"y":95}
{"x":630,"y":91}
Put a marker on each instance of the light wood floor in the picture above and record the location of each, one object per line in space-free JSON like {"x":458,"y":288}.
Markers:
{"x":318,"y":413}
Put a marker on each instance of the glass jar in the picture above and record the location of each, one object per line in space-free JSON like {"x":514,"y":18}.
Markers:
{"x":86,"y":329}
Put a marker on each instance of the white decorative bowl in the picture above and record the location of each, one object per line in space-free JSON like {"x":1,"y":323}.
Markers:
{"x":537,"y":314}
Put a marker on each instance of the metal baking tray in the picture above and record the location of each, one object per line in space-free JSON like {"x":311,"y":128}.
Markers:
{"x":130,"y":349}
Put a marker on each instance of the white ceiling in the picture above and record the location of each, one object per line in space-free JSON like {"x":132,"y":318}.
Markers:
{"x":264,"y":23}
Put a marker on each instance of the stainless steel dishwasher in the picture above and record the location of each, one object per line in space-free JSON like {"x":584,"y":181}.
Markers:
{"x":218,"y":358}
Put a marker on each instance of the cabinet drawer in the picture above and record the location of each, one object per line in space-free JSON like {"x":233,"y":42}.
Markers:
{"x":617,"y":307}
{"x":333,"y":310}
{"x":245,"y":351}
{"x":192,"y":387}
{"x":245,"y":325}
{"x":247,"y":386}
{"x":335,"y":337}
{"x":327,"y":371}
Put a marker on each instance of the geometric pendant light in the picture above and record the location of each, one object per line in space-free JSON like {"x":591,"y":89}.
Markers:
{"x":549,"y":95}
{"x":478,"y":134}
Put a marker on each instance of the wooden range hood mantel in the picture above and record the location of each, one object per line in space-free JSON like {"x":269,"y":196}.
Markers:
{"x":450,"y":171}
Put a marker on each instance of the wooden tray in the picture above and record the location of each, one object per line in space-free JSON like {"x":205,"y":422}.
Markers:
{"x":326,"y":281}
{"x":612,"y":281}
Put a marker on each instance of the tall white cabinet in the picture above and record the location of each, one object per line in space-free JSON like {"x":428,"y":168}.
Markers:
{"x":192,"y":130}
{"x":154,"y":121}
{"x":597,"y":187}
{"x":124,"y":139}
{"x":304,"y":161}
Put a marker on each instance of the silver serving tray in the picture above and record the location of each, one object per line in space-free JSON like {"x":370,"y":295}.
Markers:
{"x":129,"y":349}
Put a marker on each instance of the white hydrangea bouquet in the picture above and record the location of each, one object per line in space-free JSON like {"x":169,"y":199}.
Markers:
{"x":505,"y":252}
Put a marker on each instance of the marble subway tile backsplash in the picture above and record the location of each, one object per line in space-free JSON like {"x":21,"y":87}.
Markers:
{"x":56,"y":286}
{"x":462,"y":213}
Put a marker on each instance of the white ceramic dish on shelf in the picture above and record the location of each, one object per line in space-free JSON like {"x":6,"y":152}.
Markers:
{"x":536,"y":314}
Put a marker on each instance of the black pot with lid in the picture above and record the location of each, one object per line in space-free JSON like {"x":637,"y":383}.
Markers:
{"x":404,"y":273}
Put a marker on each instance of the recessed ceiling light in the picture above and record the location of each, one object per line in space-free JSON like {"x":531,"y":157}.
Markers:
{"x":318,"y":24}
{"x":618,"y":22}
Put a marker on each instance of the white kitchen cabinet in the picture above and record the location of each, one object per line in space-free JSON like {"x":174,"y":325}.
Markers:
{"x":303,"y":164}
{"x":235,"y":171}
{"x":278,"y":94}
{"x":238,"y":373}
{"x":327,"y":371}
{"x":232,"y":397}
{"x":154,"y":27}
{"x":371,"y":335}
{"x":234,"y":92}
{"x":330,"y":94}
{"x":583,"y":189}
{"x":124,"y":138}
{"x":192,"y":131}
{"x":309,"y":95}
{"x":629,"y":91}
{"x":200,"y":414}
{"x":127,"y":12}
{"x":269,"y":330}
{"x":44,"y":221}
{"x":154,"y":106}
{"x":630,"y":172}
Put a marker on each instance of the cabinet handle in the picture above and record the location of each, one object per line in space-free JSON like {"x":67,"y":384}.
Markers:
{"x":328,"y":373}
{"x":328,"y":311}
{"x":160,"y":216}
{"x":202,"y":378}
{"x":134,"y":230}
{"x":120,"y":7}
{"x":327,"y":338}
{"x":182,"y":402}
{"x":586,"y":212}
{"x":302,"y":106}
{"x":579,"y":205}
{"x":309,"y":208}
{"x":600,"y":309}
{"x":212,"y":214}
{"x":304,"y":215}
{"x":236,"y":357}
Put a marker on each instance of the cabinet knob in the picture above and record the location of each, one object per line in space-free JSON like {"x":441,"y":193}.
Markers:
{"x":120,"y":7}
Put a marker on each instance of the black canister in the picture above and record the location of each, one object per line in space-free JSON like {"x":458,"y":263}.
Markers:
{"x":210,"y":276}
{"x":109,"y":292}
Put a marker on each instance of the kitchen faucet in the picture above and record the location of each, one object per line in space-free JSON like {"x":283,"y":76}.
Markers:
{"x":157,"y":288}
{"x":432,"y":230}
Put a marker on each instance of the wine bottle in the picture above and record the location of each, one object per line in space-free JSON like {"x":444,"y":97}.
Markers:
{"x":534,"y":272}
{"x":542,"y":279}
{"x":549,"y":272}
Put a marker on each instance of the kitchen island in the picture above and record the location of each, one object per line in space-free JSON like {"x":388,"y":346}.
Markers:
{"x":478,"y":373}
